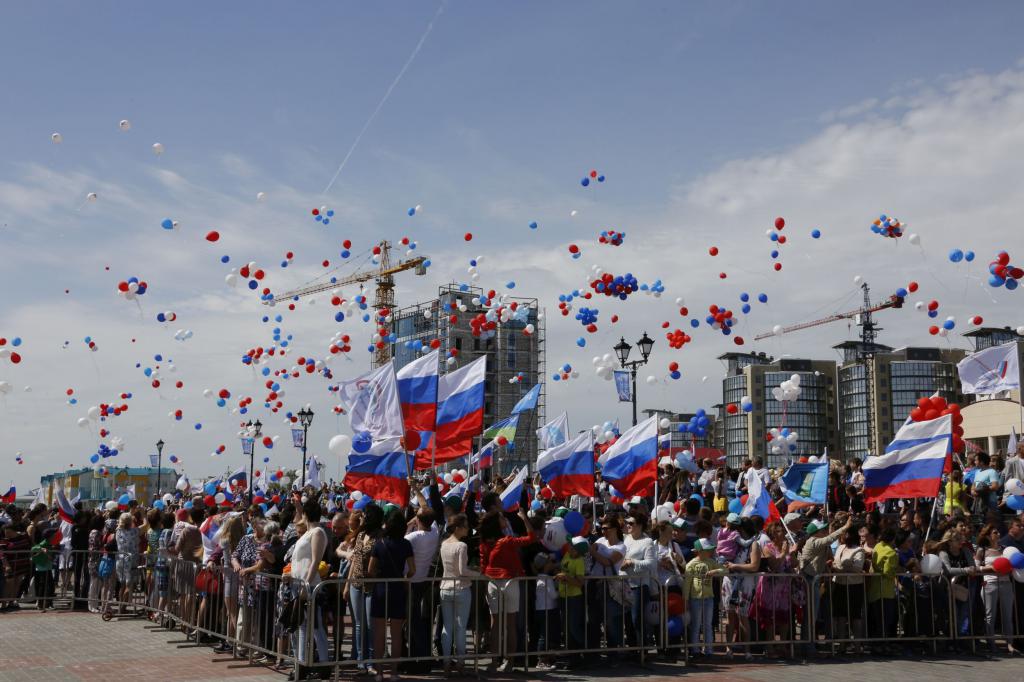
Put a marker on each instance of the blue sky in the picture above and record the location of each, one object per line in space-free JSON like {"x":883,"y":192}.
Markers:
{"x":708,"y":118}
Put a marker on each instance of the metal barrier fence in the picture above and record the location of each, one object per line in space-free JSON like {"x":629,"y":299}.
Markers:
{"x":335,"y":626}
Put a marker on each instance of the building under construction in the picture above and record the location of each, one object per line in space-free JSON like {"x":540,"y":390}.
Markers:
{"x":510,"y":353}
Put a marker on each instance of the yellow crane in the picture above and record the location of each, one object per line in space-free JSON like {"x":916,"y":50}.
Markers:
{"x":384,"y":295}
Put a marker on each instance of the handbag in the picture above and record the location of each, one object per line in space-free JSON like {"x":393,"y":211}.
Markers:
{"x":106,"y":567}
{"x":207,"y":581}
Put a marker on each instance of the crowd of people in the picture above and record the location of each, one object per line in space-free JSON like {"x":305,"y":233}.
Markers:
{"x":673,"y":576}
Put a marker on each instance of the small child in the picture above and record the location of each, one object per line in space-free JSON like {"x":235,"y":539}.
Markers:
{"x":42,"y":566}
{"x":699,"y":593}
{"x":546,"y":610}
{"x":570,"y":591}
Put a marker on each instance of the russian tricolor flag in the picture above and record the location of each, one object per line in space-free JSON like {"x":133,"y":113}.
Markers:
{"x":460,"y":413}
{"x":64,"y":506}
{"x":10,"y":496}
{"x":631,"y":463}
{"x":511,"y":495}
{"x":912,"y":464}
{"x":239,"y":478}
{"x":568,"y":468}
{"x":485,"y":458}
{"x":417,"y":391}
{"x":381,"y":472}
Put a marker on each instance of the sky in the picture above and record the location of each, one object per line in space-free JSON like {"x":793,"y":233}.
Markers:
{"x":708,"y":119}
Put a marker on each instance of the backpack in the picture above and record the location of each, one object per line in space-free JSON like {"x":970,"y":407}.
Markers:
{"x":106,"y":567}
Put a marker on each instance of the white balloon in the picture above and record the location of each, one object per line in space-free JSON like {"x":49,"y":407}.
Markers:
{"x":1014,"y":486}
{"x":261,"y":196}
{"x":231,"y":280}
{"x":931,"y":564}
{"x":914,"y":239}
{"x":554,"y":534}
{"x":857,"y":280}
{"x":56,"y":138}
{"x":652,"y":380}
{"x":664,"y":423}
{"x":111,"y":505}
{"x":125,"y":124}
{"x":1020,"y":332}
{"x":91,"y":196}
{"x":340,"y":444}
{"x":94,"y":413}
{"x":83,"y":422}
{"x":219,"y":498}
{"x":5,"y":387}
{"x":158,"y":148}
{"x":777,"y":329}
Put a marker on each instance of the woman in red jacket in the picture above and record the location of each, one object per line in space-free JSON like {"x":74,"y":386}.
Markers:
{"x":500,"y":561}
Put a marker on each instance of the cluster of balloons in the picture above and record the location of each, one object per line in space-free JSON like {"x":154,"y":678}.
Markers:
{"x":615,"y":285}
{"x":604,"y":433}
{"x":604,"y":366}
{"x":518,"y":378}
{"x":131,"y":288}
{"x":935,"y":407}
{"x":720,"y":318}
{"x":788,"y":390}
{"x":183,"y":335}
{"x":782,"y":440}
{"x":412,"y":211}
{"x":588,"y":318}
{"x":18,"y":459}
{"x":104,"y":451}
{"x":745,"y":300}
{"x":592,"y":175}
{"x":947,"y":326}
{"x":887,"y":226}
{"x":698,"y":424}
{"x":956,"y":255}
{"x":656,"y":289}
{"x":574,"y":251}
{"x":564,"y":373}
{"x":613,"y":237}
{"x":339,"y":344}
{"x":1003,"y":274}
{"x":166,"y":316}
{"x":673,"y":370}
{"x":6,"y":353}
{"x":323,"y":214}
{"x":932,"y":308}
{"x":90,"y":344}
{"x":678,"y":338}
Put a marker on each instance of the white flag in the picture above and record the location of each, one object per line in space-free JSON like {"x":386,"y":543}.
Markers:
{"x":991,"y":370}
{"x":555,"y":432}
{"x":373,"y":403}
{"x":313,"y":467}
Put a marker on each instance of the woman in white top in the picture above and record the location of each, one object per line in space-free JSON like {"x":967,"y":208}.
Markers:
{"x":612,"y":595}
{"x":996,"y":590}
{"x":456,"y":593}
{"x":307,"y":553}
{"x":641,"y":565}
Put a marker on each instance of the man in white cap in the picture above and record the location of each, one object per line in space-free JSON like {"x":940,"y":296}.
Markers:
{"x":814,"y":557}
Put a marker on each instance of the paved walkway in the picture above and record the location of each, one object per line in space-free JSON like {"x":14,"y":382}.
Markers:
{"x":79,"y":646}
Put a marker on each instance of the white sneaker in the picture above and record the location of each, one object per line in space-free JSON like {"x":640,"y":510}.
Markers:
{"x":505,"y":666}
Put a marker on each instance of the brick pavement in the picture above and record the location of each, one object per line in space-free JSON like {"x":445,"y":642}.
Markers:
{"x":79,"y":646}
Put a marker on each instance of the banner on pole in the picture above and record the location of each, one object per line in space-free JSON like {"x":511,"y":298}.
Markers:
{"x":623,"y":386}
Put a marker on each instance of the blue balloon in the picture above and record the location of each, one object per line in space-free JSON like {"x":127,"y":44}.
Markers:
{"x":948,"y":324}
{"x":675,"y":625}
{"x":159,"y":505}
{"x":362,"y":442}
{"x":815,"y":234}
{"x":956,"y":255}
{"x":1015,"y":502}
{"x":763,"y":298}
{"x":581,"y":342}
{"x":585,"y":181}
{"x":1011,"y":284}
{"x":698,"y":497}
{"x":210,"y":488}
{"x":363,"y":502}
{"x":744,"y":297}
{"x":167,"y":224}
{"x":735,"y":505}
{"x":969,"y":256}
{"x":16,"y":341}
{"x":124,"y":500}
{"x":573,"y":522}
{"x":1017,"y":560}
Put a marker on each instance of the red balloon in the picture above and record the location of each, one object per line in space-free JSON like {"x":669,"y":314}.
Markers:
{"x":777,"y":266}
{"x":469,"y":236}
{"x":780,"y":223}
{"x":209,"y":501}
{"x":912,"y":287}
{"x":938,"y":402}
{"x":713,"y":251}
{"x":731,"y":408}
{"x":675,"y":604}
{"x":212,"y":236}
{"x":1002,"y":565}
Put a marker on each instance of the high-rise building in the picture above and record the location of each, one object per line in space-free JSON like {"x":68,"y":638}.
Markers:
{"x":870,"y":418}
{"x":515,"y":359}
{"x":989,"y":419}
{"x":813,"y":415}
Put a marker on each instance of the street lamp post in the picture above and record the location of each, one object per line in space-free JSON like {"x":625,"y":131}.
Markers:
{"x":622,"y":349}
{"x":305,"y":419}
{"x":253,"y":430}
{"x":159,"y":467}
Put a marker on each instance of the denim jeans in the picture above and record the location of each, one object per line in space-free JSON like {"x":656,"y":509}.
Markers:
{"x":455,"y":616}
{"x":319,"y":635}
{"x":362,"y":636}
{"x":643,"y":633}
{"x":614,"y":625}
{"x":702,"y":612}
{"x":573,"y":613}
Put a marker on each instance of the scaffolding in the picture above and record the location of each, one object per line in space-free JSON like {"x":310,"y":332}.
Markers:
{"x":509,"y":351}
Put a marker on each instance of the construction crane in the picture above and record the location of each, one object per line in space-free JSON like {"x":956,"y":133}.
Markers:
{"x":863,"y":317}
{"x":384,"y":295}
